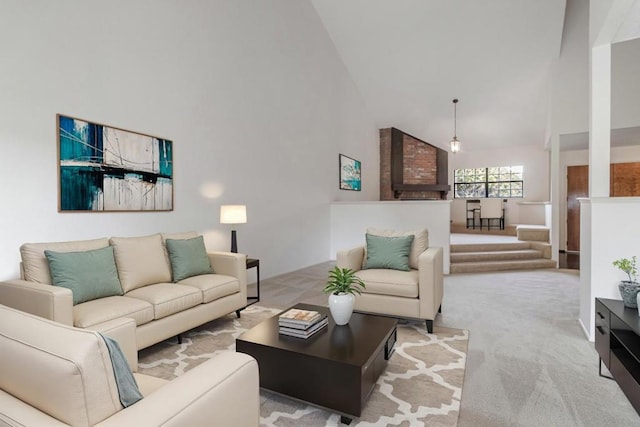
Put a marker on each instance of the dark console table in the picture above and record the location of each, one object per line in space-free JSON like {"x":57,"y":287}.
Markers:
{"x":618,"y":345}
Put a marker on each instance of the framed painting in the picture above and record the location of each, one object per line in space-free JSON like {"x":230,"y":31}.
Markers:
{"x":106,"y":169}
{"x":350,"y":178}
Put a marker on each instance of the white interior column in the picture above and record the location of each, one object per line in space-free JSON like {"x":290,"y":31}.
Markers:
{"x":554,"y":167}
{"x":600,"y":121}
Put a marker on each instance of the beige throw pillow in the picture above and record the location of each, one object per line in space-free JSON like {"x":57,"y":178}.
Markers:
{"x":141,"y":261}
{"x":419,"y":245}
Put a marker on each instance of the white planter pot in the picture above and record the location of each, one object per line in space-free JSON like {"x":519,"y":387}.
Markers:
{"x":341,"y":307}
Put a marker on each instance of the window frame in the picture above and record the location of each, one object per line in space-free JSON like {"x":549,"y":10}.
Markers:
{"x":483,"y":183}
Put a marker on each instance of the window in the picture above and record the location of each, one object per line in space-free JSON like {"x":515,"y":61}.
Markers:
{"x":502,"y":181}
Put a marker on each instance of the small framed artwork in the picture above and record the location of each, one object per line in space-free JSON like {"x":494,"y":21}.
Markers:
{"x":106,"y":169}
{"x":350,"y":177}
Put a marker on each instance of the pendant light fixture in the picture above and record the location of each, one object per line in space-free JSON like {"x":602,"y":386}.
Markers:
{"x":455,"y":144}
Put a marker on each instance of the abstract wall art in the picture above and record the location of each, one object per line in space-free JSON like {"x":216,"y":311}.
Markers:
{"x":350,"y":174}
{"x":106,"y":169}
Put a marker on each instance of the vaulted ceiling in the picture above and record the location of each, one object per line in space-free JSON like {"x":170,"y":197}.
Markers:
{"x":410,"y":58}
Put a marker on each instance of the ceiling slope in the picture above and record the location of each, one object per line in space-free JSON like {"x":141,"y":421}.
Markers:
{"x":410,"y":58}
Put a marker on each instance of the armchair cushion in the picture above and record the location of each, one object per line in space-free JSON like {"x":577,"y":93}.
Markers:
{"x":89,"y":275}
{"x":388,"y":252}
{"x":420,"y":241}
{"x":390,"y":282}
{"x":188,"y":258}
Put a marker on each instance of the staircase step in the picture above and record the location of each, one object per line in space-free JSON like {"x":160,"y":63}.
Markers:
{"x":476,"y":267}
{"x":486,"y":247}
{"x":495,"y":255}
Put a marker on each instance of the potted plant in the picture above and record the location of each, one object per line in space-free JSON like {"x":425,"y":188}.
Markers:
{"x":342,"y":286}
{"x":629,"y":288}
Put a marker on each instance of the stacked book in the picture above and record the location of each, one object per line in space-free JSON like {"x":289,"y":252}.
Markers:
{"x":301,"y":323}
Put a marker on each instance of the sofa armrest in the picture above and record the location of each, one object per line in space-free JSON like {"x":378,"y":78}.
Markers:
{"x":123,"y":330}
{"x":48,"y":301}
{"x":222,"y":391}
{"x":350,"y":258}
{"x":430,"y":282}
{"x":231,"y":264}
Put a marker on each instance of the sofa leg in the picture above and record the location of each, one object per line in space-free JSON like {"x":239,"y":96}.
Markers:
{"x":430,"y":326}
{"x":238,"y":313}
{"x":179,"y":338}
{"x":440,"y":309}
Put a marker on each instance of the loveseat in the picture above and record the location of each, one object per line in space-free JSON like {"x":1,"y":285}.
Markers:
{"x":399,"y":281}
{"x":57,"y":375}
{"x":166,"y":283}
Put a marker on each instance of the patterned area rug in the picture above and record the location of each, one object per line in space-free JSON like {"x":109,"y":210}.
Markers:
{"x":422,"y":384}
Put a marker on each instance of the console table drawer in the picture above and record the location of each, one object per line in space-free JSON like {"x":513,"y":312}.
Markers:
{"x":602,"y":332}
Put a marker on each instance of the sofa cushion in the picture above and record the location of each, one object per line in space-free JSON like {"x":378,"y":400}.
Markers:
{"x":390,"y":282}
{"x":35,"y":264}
{"x":420,"y":241}
{"x":388,"y":252}
{"x":188,"y":258}
{"x":175,"y":236}
{"x":213,"y":286}
{"x":102,"y":310}
{"x":62,"y":371}
{"x":89,"y":274}
{"x":168,"y":298}
{"x":141,"y":261}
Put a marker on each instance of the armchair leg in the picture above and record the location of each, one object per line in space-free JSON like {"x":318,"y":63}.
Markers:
{"x":440,"y":309}
{"x":430,"y":326}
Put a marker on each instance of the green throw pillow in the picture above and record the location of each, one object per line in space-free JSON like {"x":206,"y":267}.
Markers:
{"x":388,"y":252}
{"x":90,"y":275}
{"x":188,"y":258}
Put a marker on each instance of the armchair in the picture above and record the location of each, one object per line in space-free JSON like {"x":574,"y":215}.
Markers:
{"x":57,"y":375}
{"x":416,"y":293}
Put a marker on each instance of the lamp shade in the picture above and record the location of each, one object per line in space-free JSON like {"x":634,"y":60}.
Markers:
{"x":233,"y":214}
{"x":455,"y":145}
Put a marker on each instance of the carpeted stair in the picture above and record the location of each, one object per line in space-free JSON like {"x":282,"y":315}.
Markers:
{"x":480,"y":257}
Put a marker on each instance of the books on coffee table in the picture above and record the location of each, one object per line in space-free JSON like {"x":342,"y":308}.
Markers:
{"x":301,"y":323}
{"x":304,"y":333}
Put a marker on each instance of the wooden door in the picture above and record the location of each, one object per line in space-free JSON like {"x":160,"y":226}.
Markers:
{"x":625,"y":179}
{"x":577,"y":186}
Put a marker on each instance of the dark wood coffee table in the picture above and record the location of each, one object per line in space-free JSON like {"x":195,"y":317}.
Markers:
{"x":336,"y":368}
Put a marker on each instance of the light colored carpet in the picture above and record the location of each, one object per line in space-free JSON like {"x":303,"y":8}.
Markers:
{"x":422,"y":384}
{"x":529,"y":363}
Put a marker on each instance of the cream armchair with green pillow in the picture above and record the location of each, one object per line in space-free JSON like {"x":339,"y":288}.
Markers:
{"x":402,"y":274}
{"x":57,"y":375}
{"x":166,"y":283}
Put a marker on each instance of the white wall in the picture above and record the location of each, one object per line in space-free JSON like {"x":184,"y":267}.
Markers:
{"x":535,"y":161}
{"x":253,"y":95}
{"x":349,"y":222}
{"x":617,"y":239}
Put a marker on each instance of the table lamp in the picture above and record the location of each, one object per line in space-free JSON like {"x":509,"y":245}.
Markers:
{"x":233,"y":214}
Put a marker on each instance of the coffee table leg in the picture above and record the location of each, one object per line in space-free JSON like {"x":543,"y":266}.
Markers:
{"x":345,"y":420}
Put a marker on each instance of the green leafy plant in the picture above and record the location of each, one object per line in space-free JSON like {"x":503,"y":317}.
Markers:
{"x":629,"y":266}
{"x":343,"y":280}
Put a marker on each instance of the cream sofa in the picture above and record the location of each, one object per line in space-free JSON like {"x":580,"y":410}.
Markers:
{"x":161,"y":309}
{"x":57,"y":375}
{"x":416,"y":293}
